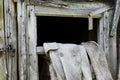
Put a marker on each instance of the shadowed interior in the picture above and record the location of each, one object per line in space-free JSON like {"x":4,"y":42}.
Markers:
{"x":61,"y":30}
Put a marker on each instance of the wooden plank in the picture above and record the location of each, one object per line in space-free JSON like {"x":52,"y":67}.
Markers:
{"x":2,"y":44}
{"x":101,"y":10}
{"x":115,"y":18}
{"x":11,"y":37}
{"x":100,"y":32}
{"x":110,"y":55}
{"x":113,"y":55}
{"x":31,"y":35}
{"x":98,"y":61}
{"x":85,"y":64}
{"x":40,"y":50}
{"x":49,"y":11}
{"x":112,"y":50}
{"x":90,"y":19}
{"x":69,"y":5}
{"x":6,"y":40}
{"x":21,"y":14}
{"x":77,"y":1}
{"x":106,"y":36}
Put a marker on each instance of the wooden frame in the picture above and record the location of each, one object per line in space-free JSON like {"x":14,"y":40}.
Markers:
{"x":17,"y":21}
{"x":83,"y":12}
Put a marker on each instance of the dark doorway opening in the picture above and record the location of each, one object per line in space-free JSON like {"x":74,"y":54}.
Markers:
{"x":61,"y":30}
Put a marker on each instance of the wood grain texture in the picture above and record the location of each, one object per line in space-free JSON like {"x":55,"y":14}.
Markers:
{"x":10,"y":38}
{"x":2,"y":44}
{"x":115,"y":18}
{"x":32,"y":39}
{"x":98,"y":61}
{"x":22,"y":51}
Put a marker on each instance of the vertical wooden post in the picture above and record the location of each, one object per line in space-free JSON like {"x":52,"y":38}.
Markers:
{"x":115,"y":18}
{"x":2,"y":56}
{"x":106,"y":36}
{"x":31,"y":35}
{"x":21,"y":16}
{"x":113,"y":55}
{"x":100,"y":32}
{"x":10,"y":38}
{"x":112,"y":49}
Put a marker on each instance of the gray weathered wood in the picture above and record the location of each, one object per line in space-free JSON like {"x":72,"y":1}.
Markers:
{"x":113,"y":55}
{"x":10,"y":38}
{"x":85,"y":64}
{"x":101,"y":10}
{"x":115,"y":18}
{"x":112,"y":49}
{"x":90,"y":19}
{"x":2,"y":44}
{"x":21,"y":16}
{"x":40,"y":50}
{"x":100,"y":32}
{"x":106,"y":35}
{"x":32,"y":39}
{"x":110,"y":55}
{"x":98,"y":61}
{"x":49,"y":11}
{"x":63,"y":4}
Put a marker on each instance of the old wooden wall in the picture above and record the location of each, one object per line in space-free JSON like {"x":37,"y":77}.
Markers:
{"x":10,"y":38}
{"x":16,"y":18}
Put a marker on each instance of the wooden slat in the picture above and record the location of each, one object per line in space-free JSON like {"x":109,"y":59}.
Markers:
{"x":111,"y":59}
{"x":7,"y":35}
{"x":115,"y":18}
{"x":31,"y":35}
{"x":21,"y":16}
{"x":113,"y":54}
{"x":112,"y":50}
{"x":100,"y":32}
{"x":49,"y":11}
{"x":101,"y":10}
{"x":83,"y":5}
{"x":98,"y":61}
{"x":11,"y":37}
{"x":40,"y":50}
{"x":90,"y":19}
{"x":2,"y":57}
{"x":106,"y":35}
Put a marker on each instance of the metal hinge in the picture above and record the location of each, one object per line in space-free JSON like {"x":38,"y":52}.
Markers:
{"x":8,"y":49}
